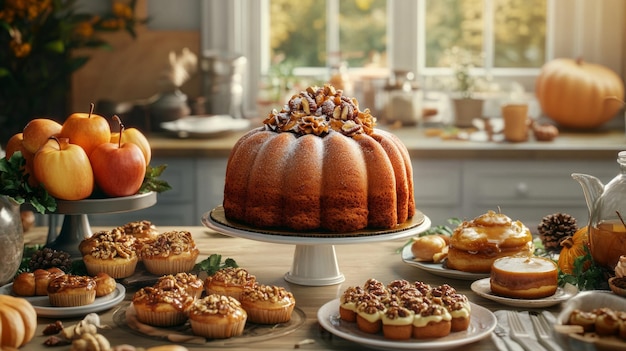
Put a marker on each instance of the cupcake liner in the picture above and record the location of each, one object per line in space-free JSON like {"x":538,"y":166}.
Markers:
{"x":160,"y":266}
{"x":115,"y":268}
{"x":161,"y":318}
{"x":72,"y":299}
{"x":265,"y":316}
{"x":218,"y":331}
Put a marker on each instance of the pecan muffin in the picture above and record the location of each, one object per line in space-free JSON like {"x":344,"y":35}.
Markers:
{"x":170,"y":253}
{"x":229,"y":281}
{"x":267,"y":304}
{"x":162,"y":308}
{"x":113,"y":258}
{"x":217,"y":317}
{"x":190,"y":282}
{"x":116,"y":235}
{"x":72,"y":290}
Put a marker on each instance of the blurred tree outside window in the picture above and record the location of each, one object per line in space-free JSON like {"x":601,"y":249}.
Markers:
{"x":506,"y":33}
{"x":323,"y":33}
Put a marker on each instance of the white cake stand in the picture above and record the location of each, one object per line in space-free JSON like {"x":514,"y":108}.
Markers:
{"x":314,"y":261}
{"x":76,"y":227}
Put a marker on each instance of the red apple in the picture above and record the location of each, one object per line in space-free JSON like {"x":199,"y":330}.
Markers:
{"x":133,"y":135}
{"x":118,"y":168}
{"x":38,"y":131}
{"x":64,"y":170}
{"x":87,"y":130}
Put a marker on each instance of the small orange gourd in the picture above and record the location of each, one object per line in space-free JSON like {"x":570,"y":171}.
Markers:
{"x":18,"y":320}
{"x":573,"y":247}
{"x":577,"y":94}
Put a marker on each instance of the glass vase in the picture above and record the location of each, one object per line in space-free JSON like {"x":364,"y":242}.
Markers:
{"x":11,"y":239}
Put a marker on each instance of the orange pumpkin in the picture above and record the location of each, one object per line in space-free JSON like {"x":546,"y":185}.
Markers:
{"x":18,"y":322}
{"x":573,"y":247}
{"x":579,"y":95}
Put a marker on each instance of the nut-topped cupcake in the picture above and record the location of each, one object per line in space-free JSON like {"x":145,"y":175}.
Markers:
{"x":217,"y":317}
{"x":162,"y":308}
{"x":186,"y":281}
{"x":268,"y":304}
{"x":229,"y":281}
{"x":72,"y":290}
{"x":113,"y":258}
{"x":170,"y":253}
{"x":116,"y":235}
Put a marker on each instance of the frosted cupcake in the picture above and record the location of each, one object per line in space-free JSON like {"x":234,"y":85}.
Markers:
{"x":397,"y":323}
{"x":170,"y":253}
{"x":268,"y":304}
{"x":162,"y":308}
{"x":217,"y":317}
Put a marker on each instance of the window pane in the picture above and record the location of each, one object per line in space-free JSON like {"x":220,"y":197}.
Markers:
{"x":363,"y":31}
{"x":520,"y":32}
{"x":298,"y":32}
{"x":452,"y":23}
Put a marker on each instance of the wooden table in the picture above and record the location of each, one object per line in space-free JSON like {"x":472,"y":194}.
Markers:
{"x":269,"y":262}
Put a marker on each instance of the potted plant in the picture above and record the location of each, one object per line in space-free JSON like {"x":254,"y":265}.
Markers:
{"x":466,"y":106}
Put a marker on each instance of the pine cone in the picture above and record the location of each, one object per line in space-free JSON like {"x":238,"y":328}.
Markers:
{"x":48,"y":258}
{"x":555,"y":228}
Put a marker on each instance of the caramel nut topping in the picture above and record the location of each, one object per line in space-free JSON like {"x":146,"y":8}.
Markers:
{"x":318,"y":110}
{"x":178,"y":281}
{"x":232,"y":276}
{"x":110,"y":249}
{"x":149,"y":295}
{"x":138,"y":227}
{"x":270,"y":293}
{"x":216,"y":304}
{"x":395,"y":312}
{"x":352,"y":294}
{"x":169,"y":243}
{"x":69,"y":281}
{"x":370,"y":305}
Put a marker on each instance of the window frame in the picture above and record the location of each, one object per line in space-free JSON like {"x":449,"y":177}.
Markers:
{"x":576,"y":28}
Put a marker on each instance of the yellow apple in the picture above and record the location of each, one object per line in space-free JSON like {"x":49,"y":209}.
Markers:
{"x":87,"y":130}
{"x":38,"y":131}
{"x":64,"y":170}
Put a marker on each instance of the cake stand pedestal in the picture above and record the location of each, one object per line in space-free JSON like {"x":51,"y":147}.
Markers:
{"x":75,"y":227}
{"x":314,"y":261}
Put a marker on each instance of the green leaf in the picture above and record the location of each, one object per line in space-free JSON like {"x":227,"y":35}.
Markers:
{"x":14,"y":183}
{"x":213,"y":263}
{"x":152,"y":182}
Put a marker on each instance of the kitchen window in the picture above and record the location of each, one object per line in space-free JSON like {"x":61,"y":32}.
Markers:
{"x":572,"y":28}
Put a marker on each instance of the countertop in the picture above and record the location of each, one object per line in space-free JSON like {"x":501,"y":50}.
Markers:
{"x":569,"y":145}
{"x":269,"y":262}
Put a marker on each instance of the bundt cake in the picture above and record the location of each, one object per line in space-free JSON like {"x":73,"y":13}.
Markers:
{"x":319,"y":165}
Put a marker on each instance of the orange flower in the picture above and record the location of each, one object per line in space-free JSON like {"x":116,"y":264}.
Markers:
{"x":122,"y":10}
{"x":20,"y":49}
{"x":84,"y":29}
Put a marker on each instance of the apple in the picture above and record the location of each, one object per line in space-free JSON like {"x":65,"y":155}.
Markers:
{"x":118,"y":168}
{"x":64,"y":170}
{"x":14,"y":144}
{"x":38,"y":131}
{"x":87,"y":130}
{"x":133,"y":135}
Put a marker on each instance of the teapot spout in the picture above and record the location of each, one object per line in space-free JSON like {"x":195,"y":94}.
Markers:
{"x":592,"y":189}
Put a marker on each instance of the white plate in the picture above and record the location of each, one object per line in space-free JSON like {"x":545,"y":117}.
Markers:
{"x":482,"y":323}
{"x":205,"y":126}
{"x":438,"y":268}
{"x":482,"y":288}
{"x":44,"y":309}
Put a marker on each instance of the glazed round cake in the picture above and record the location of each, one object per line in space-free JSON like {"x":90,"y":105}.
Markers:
{"x":319,"y":165}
